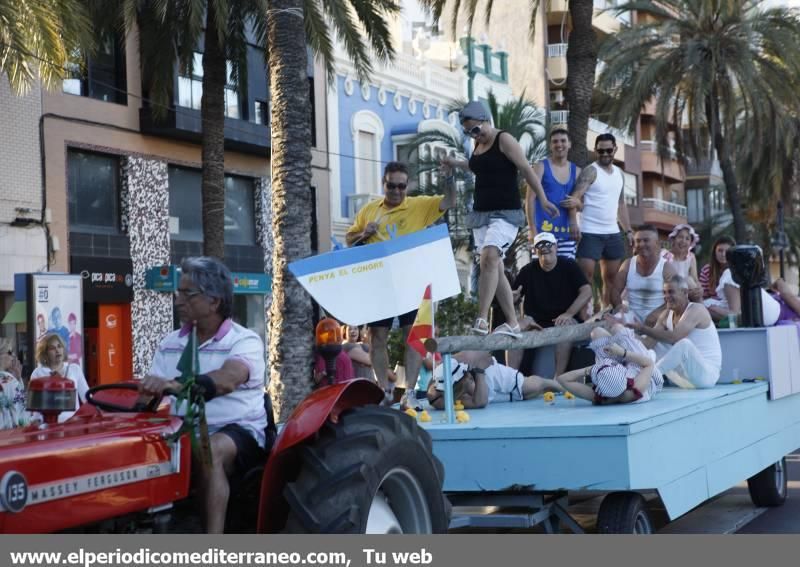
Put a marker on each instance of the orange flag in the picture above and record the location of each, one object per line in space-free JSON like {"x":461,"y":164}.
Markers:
{"x":423,"y":324}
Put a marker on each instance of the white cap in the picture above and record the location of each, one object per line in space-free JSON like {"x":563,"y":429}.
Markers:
{"x":544,"y":237}
{"x":458,"y":372}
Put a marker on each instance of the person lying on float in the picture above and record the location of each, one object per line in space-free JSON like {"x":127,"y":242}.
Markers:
{"x":479,"y":380}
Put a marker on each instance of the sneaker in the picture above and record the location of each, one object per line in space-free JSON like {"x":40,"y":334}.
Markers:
{"x":481,"y":327}
{"x":409,"y":401}
{"x":506,"y":329}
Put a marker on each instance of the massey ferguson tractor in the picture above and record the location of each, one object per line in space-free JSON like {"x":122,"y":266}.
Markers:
{"x":340,"y":464}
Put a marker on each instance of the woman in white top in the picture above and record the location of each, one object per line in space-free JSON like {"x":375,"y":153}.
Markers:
{"x":682,"y":240}
{"x":12,"y":391}
{"x":730,"y":302}
{"x":51,"y":354}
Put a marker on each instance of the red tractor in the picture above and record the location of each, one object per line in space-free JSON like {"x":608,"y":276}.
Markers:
{"x":340,"y":464}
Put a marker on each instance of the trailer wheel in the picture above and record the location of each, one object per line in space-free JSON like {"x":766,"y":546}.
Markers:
{"x":372,"y":472}
{"x":769,"y":487}
{"x":624,"y":513}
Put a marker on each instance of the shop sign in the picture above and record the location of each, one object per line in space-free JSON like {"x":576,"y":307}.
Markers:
{"x":105,"y":280}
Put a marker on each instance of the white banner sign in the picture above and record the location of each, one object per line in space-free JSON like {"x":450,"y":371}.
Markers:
{"x":377,"y":281}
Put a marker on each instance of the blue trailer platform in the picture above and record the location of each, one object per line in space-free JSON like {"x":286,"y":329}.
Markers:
{"x":688,"y":445}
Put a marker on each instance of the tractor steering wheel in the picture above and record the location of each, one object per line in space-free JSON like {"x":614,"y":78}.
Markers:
{"x":138,"y":407}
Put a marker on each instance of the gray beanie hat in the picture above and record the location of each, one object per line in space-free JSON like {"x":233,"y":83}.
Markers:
{"x":474,"y":110}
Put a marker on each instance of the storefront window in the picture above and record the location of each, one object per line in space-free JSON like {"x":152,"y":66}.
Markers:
{"x":185,"y":207}
{"x":185,"y":214}
{"x":248,"y":311}
{"x":239,"y":211}
{"x":93,"y":192}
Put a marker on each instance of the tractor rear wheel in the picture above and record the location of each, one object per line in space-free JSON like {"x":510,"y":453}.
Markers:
{"x":372,"y":472}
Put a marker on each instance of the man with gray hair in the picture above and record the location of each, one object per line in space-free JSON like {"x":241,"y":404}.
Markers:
{"x":231,"y":371}
{"x":688,"y":340}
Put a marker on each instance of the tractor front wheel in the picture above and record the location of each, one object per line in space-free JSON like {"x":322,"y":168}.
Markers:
{"x":372,"y":472}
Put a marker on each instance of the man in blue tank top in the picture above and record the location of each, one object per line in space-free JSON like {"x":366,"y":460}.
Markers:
{"x":557,"y":175}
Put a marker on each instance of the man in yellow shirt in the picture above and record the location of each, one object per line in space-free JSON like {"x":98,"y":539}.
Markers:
{"x":397,"y":215}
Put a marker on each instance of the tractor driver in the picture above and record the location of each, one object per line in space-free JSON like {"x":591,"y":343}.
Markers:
{"x":231,"y":370}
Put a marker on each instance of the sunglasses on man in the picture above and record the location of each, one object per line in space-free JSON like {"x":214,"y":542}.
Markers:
{"x":605,"y":151}
{"x":544,"y":246}
{"x":472,"y":132}
{"x":392,"y":186}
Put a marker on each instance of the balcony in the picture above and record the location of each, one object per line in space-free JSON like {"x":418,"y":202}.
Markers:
{"x":559,"y":117}
{"x":557,"y":61}
{"x":663,"y":214}
{"x":185,"y":124}
{"x":671,"y":169}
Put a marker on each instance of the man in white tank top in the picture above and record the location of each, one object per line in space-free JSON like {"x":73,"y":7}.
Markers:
{"x":689,"y":335}
{"x":599,"y":195}
{"x":643,"y":276}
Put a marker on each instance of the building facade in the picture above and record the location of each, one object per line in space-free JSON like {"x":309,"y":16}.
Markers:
{"x":122,"y":189}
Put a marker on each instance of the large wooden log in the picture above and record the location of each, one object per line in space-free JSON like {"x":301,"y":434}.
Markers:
{"x":530,"y":339}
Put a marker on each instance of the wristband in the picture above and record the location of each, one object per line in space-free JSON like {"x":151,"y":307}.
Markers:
{"x":207,"y":386}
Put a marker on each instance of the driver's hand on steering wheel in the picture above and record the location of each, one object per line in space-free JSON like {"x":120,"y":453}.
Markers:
{"x":156,"y":385}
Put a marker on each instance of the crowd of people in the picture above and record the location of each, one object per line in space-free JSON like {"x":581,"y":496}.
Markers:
{"x":577,"y":220}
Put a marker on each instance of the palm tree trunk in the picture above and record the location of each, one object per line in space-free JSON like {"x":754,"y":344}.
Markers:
{"x":726,"y":164}
{"x":581,"y":63}
{"x":291,"y":326}
{"x":212,"y":112}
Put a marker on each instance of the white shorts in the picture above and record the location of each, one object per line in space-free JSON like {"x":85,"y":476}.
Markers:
{"x":504,"y":383}
{"x":498,"y":233}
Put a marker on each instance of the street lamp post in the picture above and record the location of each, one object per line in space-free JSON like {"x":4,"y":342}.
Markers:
{"x":467,"y":46}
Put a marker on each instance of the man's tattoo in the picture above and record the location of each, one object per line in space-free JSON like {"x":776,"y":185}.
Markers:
{"x":586,"y":178}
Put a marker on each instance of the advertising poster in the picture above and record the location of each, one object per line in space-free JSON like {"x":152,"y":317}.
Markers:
{"x":56,"y":306}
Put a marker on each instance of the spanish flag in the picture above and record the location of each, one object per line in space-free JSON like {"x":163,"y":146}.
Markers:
{"x":423,"y":324}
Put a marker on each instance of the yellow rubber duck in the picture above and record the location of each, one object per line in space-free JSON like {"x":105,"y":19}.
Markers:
{"x":424,"y":416}
{"x":568,"y":396}
{"x":462,"y":416}
{"x":458,"y":406}
{"x":412,"y":412}
{"x":549,"y":397}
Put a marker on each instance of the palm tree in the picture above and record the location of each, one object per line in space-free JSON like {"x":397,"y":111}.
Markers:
{"x":581,"y":58}
{"x":37,"y":38}
{"x":714,"y":66}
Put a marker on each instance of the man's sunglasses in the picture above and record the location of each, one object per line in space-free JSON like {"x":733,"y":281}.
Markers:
{"x":392,"y":186}
{"x":543,"y":245}
{"x":606,"y":151}
{"x":474,"y":131}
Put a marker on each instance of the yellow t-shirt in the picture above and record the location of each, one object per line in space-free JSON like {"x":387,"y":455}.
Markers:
{"x":412,"y":215}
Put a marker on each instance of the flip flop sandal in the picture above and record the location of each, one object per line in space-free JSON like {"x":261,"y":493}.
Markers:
{"x":481,"y":327}
{"x":506,"y":329}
